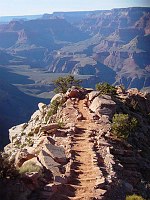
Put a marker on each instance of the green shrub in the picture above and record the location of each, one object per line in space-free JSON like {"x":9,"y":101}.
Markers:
{"x":22,"y":146}
{"x":61,"y":124}
{"x":29,"y":167}
{"x":64,"y":83}
{"x":30,"y":134}
{"x":134,"y":197}
{"x":23,"y":133}
{"x":29,"y":141}
{"x":53,"y":108}
{"x":106,"y":88}
{"x":17,"y":142}
{"x":123,"y":125}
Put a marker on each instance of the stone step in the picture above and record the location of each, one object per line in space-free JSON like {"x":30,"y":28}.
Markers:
{"x":76,"y":186}
{"x":89,"y":196}
{"x":87,"y":179}
{"x":81,"y":198}
{"x":86,"y":171}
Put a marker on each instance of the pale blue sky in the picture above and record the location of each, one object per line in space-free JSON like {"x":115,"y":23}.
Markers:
{"x":30,"y":7}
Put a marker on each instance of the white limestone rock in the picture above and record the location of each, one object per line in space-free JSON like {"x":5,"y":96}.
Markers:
{"x":58,"y":97}
{"x":92,"y":95}
{"x":103,"y":105}
{"x":41,"y":107}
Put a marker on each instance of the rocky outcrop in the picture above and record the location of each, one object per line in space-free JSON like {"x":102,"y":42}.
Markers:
{"x":77,"y":151}
{"x":16,"y":107}
{"x":103,"y":105}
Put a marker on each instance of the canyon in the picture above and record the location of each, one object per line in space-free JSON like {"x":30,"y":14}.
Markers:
{"x":99,"y":46}
{"x":113,"y":42}
{"x":74,"y":153}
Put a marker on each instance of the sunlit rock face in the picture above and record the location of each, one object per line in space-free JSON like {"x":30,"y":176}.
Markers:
{"x":76,"y":147}
{"x":113,"y":42}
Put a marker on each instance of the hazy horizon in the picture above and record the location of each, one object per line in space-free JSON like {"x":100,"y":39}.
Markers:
{"x":30,"y":7}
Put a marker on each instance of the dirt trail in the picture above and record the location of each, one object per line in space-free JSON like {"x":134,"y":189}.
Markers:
{"x":88,"y":174}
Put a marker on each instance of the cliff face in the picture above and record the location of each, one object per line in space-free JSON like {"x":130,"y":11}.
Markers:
{"x":15,"y":108}
{"x":85,"y":43}
{"x":72,"y":142}
{"x":119,"y":41}
{"x":29,"y":41}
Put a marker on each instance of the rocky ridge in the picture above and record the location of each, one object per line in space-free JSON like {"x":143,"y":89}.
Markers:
{"x":75,"y":148}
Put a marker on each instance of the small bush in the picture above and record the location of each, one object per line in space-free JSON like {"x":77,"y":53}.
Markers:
{"x":29,"y":167}
{"x":17,"y":143}
{"x":64,"y":83}
{"x":134,"y":197}
{"x":123,"y":125}
{"x":30,"y":134}
{"x":29,"y":141}
{"x":53,"y":108}
{"x":61,"y":124}
{"x":23,"y":133}
{"x":106,"y":88}
{"x":22,"y":146}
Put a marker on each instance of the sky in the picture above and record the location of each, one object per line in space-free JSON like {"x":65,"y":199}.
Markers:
{"x":31,"y":7}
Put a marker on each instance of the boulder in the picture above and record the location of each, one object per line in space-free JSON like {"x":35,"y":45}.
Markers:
{"x":49,"y":163}
{"x":48,"y":127}
{"x":105,"y":111}
{"x":57,"y":153}
{"x":133,"y":91}
{"x":7,"y":148}
{"x":120,"y":89}
{"x":58,"y":97}
{"x":15,"y":131}
{"x":22,"y":156}
{"x":138,"y":102}
{"x":31,"y":150}
{"x":36,"y":115}
{"x":75,"y":92}
{"x":38,"y":145}
{"x":103,"y":105}
{"x":41,"y":107}
{"x":92,"y":95}
{"x":49,"y":140}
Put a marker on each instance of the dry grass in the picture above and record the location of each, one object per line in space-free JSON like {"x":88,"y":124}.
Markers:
{"x":29,"y":167}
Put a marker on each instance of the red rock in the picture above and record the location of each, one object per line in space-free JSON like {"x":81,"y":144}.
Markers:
{"x":22,"y":156}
